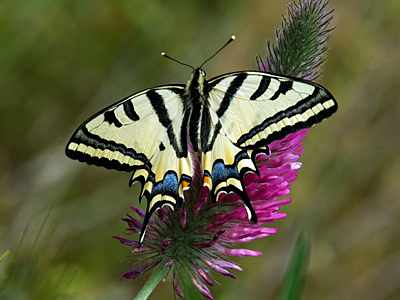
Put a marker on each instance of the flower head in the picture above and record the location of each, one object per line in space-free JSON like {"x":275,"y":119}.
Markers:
{"x":302,"y":40}
{"x":201,"y":237}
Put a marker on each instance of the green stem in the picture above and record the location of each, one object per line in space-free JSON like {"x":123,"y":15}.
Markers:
{"x":151,"y":284}
{"x":295,"y":277}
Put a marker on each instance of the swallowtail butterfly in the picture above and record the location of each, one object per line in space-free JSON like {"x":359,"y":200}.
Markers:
{"x":230,"y":118}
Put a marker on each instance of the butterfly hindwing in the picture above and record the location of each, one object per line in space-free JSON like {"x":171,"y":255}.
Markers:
{"x":144,"y":133}
{"x":224,"y":166}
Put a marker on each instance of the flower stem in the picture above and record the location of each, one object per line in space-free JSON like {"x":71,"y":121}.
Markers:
{"x":151,"y":284}
{"x":295,"y":277}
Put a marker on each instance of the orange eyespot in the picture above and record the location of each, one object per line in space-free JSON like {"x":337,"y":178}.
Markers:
{"x":207,"y":181}
{"x":185,"y":184}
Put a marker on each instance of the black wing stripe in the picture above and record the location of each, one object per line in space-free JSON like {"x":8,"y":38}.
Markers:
{"x":130,"y":111}
{"x":262,"y":87}
{"x":183,"y":137}
{"x":157,"y":102}
{"x":205,"y":127}
{"x":230,"y":92}
{"x":284,"y":87}
{"x":158,"y":105}
{"x":176,"y":90}
{"x":318,"y":96}
{"x":110,"y":118}
{"x":83,"y":136}
{"x":210,"y":145}
{"x":194,"y":124}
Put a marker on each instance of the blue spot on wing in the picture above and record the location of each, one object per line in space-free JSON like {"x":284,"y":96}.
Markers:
{"x":221,"y":173}
{"x":218,"y":171}
{"x":169,"y":186}
{"x":170,"y":182}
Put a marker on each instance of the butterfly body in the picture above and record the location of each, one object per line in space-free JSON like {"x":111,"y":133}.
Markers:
{"x":229,"y":119}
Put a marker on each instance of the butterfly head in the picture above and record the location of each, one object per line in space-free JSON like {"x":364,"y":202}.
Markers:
{"x":196,"y":85}
{"x":198,"y":77}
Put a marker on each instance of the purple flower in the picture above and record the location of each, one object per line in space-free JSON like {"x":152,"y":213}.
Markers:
{"x":201,"y":237}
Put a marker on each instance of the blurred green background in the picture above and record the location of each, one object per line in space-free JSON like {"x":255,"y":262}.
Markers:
{"x":62,"y":61}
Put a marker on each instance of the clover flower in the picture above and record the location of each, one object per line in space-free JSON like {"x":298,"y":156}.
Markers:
{"x":301,"y":42}
{"x":201,"y":237}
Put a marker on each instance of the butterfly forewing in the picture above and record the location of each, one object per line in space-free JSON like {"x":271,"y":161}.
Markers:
{"x":142,"y":133}
{"x":267,"y":107}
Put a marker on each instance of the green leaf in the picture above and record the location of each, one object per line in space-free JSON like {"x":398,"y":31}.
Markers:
{"x":4,"y":255}
{"x":295,"y":277}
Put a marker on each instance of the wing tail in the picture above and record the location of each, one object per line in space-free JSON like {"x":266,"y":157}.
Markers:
{"x":224,"y":169}
{"x":165,"y":186}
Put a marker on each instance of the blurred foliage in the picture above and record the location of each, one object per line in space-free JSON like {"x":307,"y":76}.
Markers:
{"x":294,"y":281}
{"x":61,"y":61}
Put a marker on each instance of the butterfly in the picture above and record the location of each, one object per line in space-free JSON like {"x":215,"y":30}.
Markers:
{"x":229,"y":119}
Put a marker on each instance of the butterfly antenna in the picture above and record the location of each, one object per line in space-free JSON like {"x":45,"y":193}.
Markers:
{"x":169,"y":57}
{"x":226,"y":44}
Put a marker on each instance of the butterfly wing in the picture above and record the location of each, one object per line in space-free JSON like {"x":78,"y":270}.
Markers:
{"x":144,"y":133}
{"x":248,"y":111}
